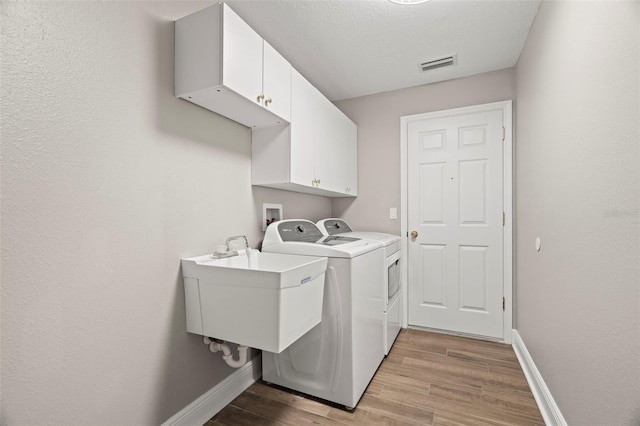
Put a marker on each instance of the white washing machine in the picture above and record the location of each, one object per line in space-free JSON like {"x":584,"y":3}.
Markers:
{"x":337,"y":359}
{"x":391,"y":270}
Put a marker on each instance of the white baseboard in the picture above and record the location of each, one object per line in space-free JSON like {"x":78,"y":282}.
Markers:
{"x":219,"y":396}
{"x":547,"y":405}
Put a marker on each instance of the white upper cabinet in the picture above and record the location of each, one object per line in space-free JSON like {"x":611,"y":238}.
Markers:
{"x":301,"y":141}
{"x":316,"y":154}
{"x":223,"y":65}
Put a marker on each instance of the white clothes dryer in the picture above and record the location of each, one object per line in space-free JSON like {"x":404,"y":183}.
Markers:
{"x":337,"y":359}
{"x":391,"y":271}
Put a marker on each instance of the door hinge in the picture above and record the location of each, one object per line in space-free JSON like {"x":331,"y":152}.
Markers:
{"x":503,"y":303}
{"x":503,"y":134}
{"x":504,"y":218}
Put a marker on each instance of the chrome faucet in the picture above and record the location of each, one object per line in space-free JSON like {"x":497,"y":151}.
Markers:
{"x":236,"y":238}
{"x":232,"y":251}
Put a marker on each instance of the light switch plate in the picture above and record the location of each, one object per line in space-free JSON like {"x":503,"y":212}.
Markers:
{"x":393,"y":213}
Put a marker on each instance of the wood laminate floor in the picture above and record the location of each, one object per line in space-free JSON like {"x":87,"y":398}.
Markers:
{"x":427,"y":379}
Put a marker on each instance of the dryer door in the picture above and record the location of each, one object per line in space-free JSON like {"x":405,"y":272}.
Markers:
{"x":393,"y":277}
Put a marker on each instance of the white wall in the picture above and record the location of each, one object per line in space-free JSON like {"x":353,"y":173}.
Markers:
{"x":577,"y":188}
{"x":107,"y":181}
{"x":378,"y":120}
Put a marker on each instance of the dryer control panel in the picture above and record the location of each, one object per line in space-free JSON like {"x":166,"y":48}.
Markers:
{"x":336,"y":226}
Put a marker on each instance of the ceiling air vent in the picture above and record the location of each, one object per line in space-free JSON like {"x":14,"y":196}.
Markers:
{"x":438,"y":63}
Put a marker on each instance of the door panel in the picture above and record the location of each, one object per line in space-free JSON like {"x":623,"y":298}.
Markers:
{"x":473,"y":192}
{"x":433,"y":274}
{"x":473,"y":278}
{"x":432,"y":140}
{"x":455,"y":189}
{"x":432,"y":179}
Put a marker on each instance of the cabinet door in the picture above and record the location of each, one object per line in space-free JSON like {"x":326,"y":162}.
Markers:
{"x":242,"y":56}
{"x":328,"y":156}
{"x":349,"y":149}
{"x":303,"y":130}
{"x":276,"y":82}
{"x":340,"y":145}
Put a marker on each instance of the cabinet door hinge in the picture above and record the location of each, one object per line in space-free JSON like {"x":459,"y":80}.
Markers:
{"x":503,"y":303}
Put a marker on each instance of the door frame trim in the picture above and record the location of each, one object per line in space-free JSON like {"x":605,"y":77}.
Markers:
{"x":507,"y":202}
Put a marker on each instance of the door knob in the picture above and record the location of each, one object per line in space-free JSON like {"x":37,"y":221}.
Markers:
{"x":414,"y":234}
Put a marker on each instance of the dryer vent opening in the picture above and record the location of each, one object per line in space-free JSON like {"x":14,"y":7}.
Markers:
{"x":438,"y":63}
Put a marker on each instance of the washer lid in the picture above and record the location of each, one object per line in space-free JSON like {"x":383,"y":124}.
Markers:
{"x":336,"y":240}
{"x":333,"y":226}
{"x":385,"y":239}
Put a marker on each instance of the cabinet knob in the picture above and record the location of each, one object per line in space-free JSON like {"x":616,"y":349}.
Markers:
{"x":268,"y":101}
{"x":260,"y":97}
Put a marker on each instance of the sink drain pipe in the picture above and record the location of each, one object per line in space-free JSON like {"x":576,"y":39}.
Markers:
{"x":216,"y":345}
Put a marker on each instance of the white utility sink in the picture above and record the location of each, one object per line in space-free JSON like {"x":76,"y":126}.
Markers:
{"x":263,"y":300}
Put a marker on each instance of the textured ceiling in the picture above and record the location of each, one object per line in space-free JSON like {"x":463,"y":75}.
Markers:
{"x":352,"y":48}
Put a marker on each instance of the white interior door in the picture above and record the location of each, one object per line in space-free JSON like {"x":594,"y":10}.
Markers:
{"x":455,"y":222}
